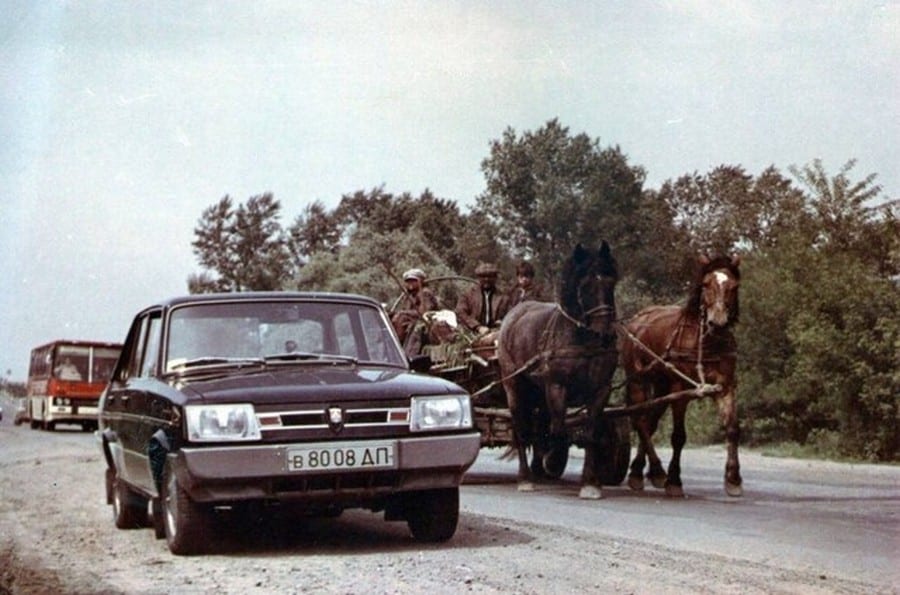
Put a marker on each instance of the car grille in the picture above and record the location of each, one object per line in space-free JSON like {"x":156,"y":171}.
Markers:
{"x":322,"y":419}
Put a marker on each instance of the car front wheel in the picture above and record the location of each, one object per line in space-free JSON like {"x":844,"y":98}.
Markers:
{"x":185,"y":521}
{"x":129,"y":508}
{"x":432,"y":515}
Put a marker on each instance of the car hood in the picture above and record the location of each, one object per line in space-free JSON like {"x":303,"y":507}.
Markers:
{"x":305,"y":383}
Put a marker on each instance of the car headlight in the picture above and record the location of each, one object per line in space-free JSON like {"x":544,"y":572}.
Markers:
{"x":447,"y":412}
{"x":221,"y":423}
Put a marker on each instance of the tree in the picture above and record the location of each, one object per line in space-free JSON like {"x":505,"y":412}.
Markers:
{"x":315,"y":230}
{"x":839,"y":208}
{"x":548,"y":190}
{"x":372,"y":263}
{"x":459,"y":240}
{"x":242,"y":248}
{"x":729,"y":210}
{"x":820,"y":328}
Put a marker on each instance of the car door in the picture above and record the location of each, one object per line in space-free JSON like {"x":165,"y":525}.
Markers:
{"x":130,"y":399}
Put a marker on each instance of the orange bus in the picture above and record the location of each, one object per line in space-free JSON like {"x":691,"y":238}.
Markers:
{"x":65,"y":379}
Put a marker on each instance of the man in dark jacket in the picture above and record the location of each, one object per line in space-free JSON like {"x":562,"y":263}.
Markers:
{"x":483,"y":307}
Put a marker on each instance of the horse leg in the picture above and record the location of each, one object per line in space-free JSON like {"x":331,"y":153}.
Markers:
{"x":644,"y":426}
{"x":520,"y":420}
{"x":728,"y":415}
{"x":539,"y":437}
{"x":636,"y":473}
{"x":636,"y":393}
{"x":655,"y":472}
{"x":558,"y":442}
{"x":679,"y":437}
{"x":591,"y":486}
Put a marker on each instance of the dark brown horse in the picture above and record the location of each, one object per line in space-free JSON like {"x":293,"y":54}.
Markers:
{"x":669,"y":349}
{"x":558,"y":355}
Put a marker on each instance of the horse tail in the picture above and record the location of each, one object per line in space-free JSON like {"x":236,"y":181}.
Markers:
{"x":510,"y":453}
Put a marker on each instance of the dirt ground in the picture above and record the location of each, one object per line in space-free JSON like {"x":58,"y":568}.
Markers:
{"x":57,"y":536}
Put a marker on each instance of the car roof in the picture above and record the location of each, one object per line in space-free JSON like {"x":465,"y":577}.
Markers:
{"x":251,"y":296}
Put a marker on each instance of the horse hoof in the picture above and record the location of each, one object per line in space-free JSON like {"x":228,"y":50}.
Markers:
{"x":636,"y":483}
{"x":590,"y":493}
{"x":674,"y":491}
{"x":734,"y":490}
{"x":525,"y":486}
{"x":658,"y":481}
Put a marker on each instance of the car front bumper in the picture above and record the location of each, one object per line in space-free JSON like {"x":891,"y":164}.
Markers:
{"x":222,"y":474}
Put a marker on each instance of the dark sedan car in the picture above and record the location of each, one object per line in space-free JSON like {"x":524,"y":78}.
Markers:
{"x":301,"y":401}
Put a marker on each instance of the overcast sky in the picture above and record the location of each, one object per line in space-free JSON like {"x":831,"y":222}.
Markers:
{"x":121,"y":121}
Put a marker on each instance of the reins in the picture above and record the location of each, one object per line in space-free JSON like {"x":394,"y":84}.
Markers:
{"x":548,"y":353}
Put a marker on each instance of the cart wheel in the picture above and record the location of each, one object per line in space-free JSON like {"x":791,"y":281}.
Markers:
{"x":612,"y":444}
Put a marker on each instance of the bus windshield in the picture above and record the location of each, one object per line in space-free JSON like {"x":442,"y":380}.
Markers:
{"x":85,"y":363}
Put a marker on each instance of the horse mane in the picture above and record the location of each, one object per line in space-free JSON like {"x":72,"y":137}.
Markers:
{"x":705,"y":266}
{"x":578,"y":265}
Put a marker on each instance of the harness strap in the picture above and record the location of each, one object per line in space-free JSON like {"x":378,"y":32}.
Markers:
{"x":665,"y":363}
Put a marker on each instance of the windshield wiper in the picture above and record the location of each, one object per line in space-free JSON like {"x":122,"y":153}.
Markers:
{"x":305,"y":356}
{"x":207,"y":361}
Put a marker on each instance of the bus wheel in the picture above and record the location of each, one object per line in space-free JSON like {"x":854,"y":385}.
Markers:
{"x":35,"y":424}
{"x":50,"y":426}
{"x":186,"y":521}
{"x":129,"y":508}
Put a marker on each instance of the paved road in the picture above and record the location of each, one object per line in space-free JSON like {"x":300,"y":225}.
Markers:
{"x":801,"y":527}
{"x":809,"y":515}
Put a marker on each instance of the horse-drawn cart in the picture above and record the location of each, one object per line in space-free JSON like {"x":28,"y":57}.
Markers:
{"x":544,"y":380}
{"x":479,"y":373}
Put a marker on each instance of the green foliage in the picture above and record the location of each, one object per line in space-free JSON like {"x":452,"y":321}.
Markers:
{"x":242,"y":248}
{"x":314,"y":231}
{"x":548,"y":190}
{"x":819,"y":337}
{"x":820,"y":332}
{"x":372,"y":264}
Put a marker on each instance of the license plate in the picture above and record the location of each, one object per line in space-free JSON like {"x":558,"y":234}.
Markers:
{"x":324,"y":457}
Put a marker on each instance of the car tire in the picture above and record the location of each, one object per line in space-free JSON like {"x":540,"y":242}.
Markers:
{"x":158,"y":518}
{"x":432,"y":515}
{"x":129,"y":508}
{"x":185,"y":521}
{"x":110,"y":483}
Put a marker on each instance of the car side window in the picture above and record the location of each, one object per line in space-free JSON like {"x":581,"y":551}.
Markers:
{"x":150,"y":358}
{"x":135,"y":346}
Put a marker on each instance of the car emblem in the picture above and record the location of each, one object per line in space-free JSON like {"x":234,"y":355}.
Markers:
{"x":335,"y":418}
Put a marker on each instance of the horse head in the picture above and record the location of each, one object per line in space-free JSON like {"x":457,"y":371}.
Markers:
{"x":716,"y":290}
{"x":587,"y":289}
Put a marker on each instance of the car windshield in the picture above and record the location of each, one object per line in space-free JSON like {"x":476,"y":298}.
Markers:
{"x":289,"y":332}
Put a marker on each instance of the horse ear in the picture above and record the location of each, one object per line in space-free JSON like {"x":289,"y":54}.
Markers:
{"x":604,"y":249}
{"x":736,"y":259}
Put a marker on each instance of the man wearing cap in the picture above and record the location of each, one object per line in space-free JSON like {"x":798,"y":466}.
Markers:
{"x":416,"y":300}
{"x":484,"y":306}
